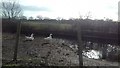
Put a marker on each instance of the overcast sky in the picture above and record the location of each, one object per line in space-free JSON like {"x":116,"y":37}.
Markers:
{"x":71,"y":8}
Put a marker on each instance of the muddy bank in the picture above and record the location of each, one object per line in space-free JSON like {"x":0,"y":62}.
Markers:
{"x":41,"y":52}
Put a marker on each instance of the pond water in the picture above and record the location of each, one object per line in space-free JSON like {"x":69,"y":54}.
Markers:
{"x":94,"y":50}
{"x":91,"y":49}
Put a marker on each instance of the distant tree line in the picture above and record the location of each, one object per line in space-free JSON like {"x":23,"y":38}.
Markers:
{"x":11,"y":9}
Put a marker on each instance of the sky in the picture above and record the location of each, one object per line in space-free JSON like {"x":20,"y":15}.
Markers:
{"x":97,"y":9}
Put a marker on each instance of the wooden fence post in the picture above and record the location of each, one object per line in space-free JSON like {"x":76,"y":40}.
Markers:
{"x":104,"y":51}
{"x":119,"y":60}
{"x":80,"y":46}
{"x":17,"y":40}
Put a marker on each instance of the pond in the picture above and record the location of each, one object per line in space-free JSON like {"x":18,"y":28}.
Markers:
{"x":94,"y":50}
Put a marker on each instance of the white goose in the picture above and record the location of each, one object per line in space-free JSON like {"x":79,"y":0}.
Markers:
{"x":49,"y":38}
{"x":27,"y":38}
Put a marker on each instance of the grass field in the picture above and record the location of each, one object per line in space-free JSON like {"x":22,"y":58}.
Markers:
{"x":40,"y":53}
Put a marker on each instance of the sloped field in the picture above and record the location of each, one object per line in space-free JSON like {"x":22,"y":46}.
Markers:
{"x":40,"y":52}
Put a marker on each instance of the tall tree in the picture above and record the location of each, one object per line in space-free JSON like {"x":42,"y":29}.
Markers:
{"x":11,"y":9}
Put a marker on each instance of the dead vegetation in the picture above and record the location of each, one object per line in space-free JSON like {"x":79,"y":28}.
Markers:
{"x":42,"y":53}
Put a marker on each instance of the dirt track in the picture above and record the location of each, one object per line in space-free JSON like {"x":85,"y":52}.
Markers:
{"x":40,"y":52}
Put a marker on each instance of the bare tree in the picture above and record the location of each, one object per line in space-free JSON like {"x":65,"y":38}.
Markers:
{"x":23,"y":17}
{"x":71,"y":18}
{"x":31,"y":18}
{"x":11,"y":9}
{"x":88,"y":15}
{"x":46,"y":18}
{"x":59,"y":18}
{"x":39,"y":17}
{"x":80,"y":16}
